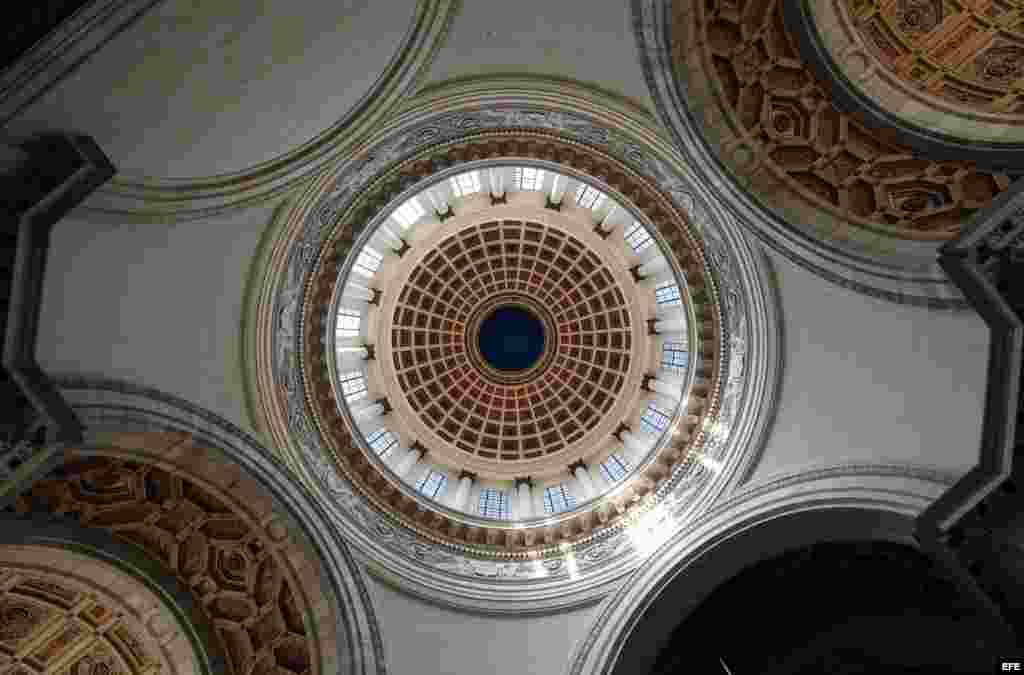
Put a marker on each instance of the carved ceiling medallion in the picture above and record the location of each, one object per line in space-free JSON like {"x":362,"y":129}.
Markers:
{"x":827,"y":156}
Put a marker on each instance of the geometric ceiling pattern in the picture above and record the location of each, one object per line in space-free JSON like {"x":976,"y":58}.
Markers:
{"x":789,"y":125}
{"x":970,"y":53}
{"x":229,"y":567}
{"x":571,"y":392}
{"x":50,"y":628}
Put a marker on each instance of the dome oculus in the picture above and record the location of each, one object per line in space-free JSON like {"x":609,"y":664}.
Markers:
{"x":511,"y":338}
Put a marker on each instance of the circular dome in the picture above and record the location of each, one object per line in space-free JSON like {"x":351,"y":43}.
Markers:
{"x":453,"y":316}
{"x":604,"y":392}
{"x":528,"y":533}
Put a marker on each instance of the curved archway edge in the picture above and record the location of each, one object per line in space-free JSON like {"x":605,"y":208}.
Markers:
{"x":864,"y":502}
{"x":110,"y":408}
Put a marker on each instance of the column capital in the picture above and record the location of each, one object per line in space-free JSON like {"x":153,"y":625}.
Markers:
{"x":523,"y":480}
{"x":467,"y":474}
{"x":578,"y":464}
{"x":623,"y":427}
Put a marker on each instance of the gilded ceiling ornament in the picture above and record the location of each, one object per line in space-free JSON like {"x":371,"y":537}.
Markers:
{"x":917,"y":17}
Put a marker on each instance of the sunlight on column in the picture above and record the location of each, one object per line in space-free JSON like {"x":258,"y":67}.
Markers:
{"x":570,"y":562}
{"x":647,"y":534}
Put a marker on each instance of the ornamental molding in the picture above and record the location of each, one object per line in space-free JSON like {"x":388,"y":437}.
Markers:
{"x":749,"y":347}
{"x":949,"y":73}
{"x":849,"y":254}
{"x":884,"y":501}
{"x":136,"y":199}
{"x":157,"y":432}
{"x":65,"y":48}
{"x":114,"y":616}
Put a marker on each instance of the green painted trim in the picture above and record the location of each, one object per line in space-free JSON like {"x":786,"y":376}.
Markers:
{"x":255,"y":281}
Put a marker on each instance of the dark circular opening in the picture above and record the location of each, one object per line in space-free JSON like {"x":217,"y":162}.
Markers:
{"x":511,"y":338}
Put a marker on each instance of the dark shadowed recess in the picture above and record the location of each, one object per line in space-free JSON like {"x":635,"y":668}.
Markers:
{"x":29,"y":21}
{"x":834,"y":607}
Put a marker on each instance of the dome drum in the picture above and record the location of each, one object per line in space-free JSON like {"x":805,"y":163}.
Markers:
{"x":436,"y":520}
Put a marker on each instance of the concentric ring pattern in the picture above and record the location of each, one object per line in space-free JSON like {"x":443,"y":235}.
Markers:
{"x":567,"y":396}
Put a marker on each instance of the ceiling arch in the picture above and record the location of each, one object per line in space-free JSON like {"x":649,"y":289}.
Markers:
{"x":865,"y":502}
{"x":212,"y":508}
{"x":302,"y":86}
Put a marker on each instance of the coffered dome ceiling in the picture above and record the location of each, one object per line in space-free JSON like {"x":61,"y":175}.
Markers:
{"x":862,"y":190}
{"x":447,"y":382}
{"x":650,"y":381}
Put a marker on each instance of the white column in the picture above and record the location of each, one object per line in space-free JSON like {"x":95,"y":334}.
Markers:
{"x":671,"y":313}
{"x":461,"y":494}
{"x":558,"y":188}
{"x":350,"y":342}
{"x":538,"y":502}
{"x":524,"y":509}
{"x":357,"y":292}
{"x":372,"y":424}
{"x":365,"y":415}
{"x":584,"y":483}
{"x":635,"y":446}
{"x":497,"y":180}
{"x":395,"y":457}
{"x":653,"y":266}
{"x":600,"y":482}
{"x":404,"y":465}
{"x":352,"y":358}
{"x":670,"y":327}
{"x":672,"y":389}
{"x":387,"y":241}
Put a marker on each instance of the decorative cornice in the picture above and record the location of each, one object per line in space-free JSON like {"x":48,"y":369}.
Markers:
{"x":64,"y":49}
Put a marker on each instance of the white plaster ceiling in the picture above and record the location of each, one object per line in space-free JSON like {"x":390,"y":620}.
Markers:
{"x":153,"y":305}
{"x":200,"y":88}
{"x":588,"y":41}
{"x":869,"y":381}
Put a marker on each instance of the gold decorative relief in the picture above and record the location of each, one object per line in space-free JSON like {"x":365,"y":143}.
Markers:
{"x":220,"y":555}
{"x":51,"y":628}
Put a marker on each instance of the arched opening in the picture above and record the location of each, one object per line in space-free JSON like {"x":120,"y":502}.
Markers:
{"x":836,"y":590}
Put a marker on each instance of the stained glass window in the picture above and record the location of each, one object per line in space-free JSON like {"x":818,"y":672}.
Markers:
{"x":558,"y":499}
{"x":637,"y":237}
{"x":494,"y":503}
{"x":589,"y":198}
{"x":466,"y":183}
{"x":432,"y":483}
{"x":614,"y":468}
{"x":409,"y":212}
{"x":527,"y":178}
{"x":675,"y":357}
{"x":654,"y":420}
{"x":668,"y":294}
{"x":382,"y":442}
